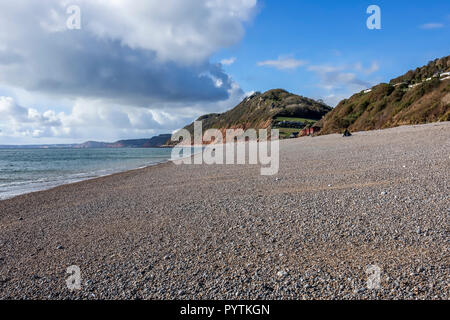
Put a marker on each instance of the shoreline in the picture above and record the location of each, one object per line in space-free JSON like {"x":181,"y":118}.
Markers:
{"x":89,"y":179}
{"x":194,"y":154}
{"x":200,"y":232}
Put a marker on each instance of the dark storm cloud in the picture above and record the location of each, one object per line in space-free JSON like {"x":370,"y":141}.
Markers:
{"x":38,"y":53}
{"x":84,"y":66}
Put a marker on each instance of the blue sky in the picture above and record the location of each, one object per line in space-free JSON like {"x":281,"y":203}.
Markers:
{"x":334,"y":33}
{"x":135,"y":69}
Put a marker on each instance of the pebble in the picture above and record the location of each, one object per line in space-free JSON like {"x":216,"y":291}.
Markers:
{"x":327,"y":236}
{"x":282,"y":274}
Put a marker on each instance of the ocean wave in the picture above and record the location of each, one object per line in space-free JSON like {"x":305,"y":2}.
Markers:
{"x":37,"y":174}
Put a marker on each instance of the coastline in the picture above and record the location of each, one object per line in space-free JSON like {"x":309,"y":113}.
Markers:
{"x":43,"y":184}
{"x":226,"y":232}
{"x":90,"y":179}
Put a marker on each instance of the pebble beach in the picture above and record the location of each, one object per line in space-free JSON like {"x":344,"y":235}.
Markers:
{"x":337,"y":207}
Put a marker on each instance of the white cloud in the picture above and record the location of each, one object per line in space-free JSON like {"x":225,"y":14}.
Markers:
{"x":334,"y":99}
{"x":373,"y":68}
{"x":345,"y":75}
{"x":134,"y":68}
{"x":283,"y":63}
{"x":87,"y":120}
{"x":178,"y":30}
{"x":432,"y":25}
{"x":340,"y":81}
{"x":336,"y":81}
{"x":13,"y":113}
{"x":338,"y":77}
{"x":95,"y":119}
{"x":9,"y":109}
{"x":324,"y":68}
{"x":132,"y":52}
{"x":19,"y":121}
{"x":228,"y":62}
{"x":181,"y":30}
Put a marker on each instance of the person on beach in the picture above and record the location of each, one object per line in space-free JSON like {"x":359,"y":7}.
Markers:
{"x":347,"y":133}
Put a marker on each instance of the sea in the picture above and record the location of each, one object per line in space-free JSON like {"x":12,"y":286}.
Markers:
{"x":28,"y":170}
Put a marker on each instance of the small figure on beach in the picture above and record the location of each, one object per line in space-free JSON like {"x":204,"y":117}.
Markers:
{"x":347,"y":133}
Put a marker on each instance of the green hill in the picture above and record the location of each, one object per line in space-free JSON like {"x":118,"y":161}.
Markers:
{"x":419,"y":96}
{"x":265,"y":110}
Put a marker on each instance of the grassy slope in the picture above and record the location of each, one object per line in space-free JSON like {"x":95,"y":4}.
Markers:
{"x":388,"y":105}
{"x":260,"y":111}
{"x":286,"y":132}
{"x":293,"y":119}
